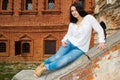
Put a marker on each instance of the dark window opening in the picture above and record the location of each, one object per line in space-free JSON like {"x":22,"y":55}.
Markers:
{"x":5,"y":5}
{"x":103,"y":25}
{"x":28,"y":4}
{"x":25,"y":48}
{"x":21,"y":48}
{"x":50,"y":46}
{"x":82,"y":3}
{"x":2,"y":47}
{"x":51,"y":4}
{"x":17,"y":47}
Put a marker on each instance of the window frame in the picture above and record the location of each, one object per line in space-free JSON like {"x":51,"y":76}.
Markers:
{"x":27,"y":7}
{"x":56,"y":10}
{"x":48,"y":6}
{"x":24,"y":49}
{"x":24,"y":11}
{"x":46,"y":47}
{"x":4,"y":5}
{"x":49,"y":36}
{"x":18,"y":46}
{"x":2,"y":48}
{"x":9,"y":11}
{"x":30,"y":53}
{"x":6,"y":53}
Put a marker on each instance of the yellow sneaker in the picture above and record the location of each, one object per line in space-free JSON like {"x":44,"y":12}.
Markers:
{"x":40,"y":66}
{"x":39,"y":72}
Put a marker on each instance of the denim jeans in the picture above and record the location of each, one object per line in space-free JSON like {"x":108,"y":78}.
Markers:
{"x":63,"y":57}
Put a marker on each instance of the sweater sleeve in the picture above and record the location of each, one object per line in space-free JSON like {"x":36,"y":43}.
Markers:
{"x":96,"y":26}
{"x":67,"y":34}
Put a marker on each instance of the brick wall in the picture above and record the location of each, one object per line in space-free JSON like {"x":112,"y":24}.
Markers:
{"x":34,"y":26}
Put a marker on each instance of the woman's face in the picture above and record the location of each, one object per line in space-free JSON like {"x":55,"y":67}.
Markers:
{"x":74,"y":12}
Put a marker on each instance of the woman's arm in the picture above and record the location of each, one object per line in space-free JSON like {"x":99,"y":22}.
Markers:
{"x":101,"y":38}
{"x":64,"y":43}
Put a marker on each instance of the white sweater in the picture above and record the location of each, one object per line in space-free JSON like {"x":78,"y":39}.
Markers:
{"x":80,"y":36}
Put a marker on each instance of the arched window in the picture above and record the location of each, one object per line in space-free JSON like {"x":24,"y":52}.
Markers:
{"x":5,"y":5}
{"x":2,"y":47}
{"x":28,"y":4}
{"x":25,"y":48}
{"x":103,"y":25}
{"x":51,"y":4}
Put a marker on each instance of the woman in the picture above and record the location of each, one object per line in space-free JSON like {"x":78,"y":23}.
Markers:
{"x":76,"y":41}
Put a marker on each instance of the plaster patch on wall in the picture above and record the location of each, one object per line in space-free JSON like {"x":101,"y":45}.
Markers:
{"x":109,"y":67}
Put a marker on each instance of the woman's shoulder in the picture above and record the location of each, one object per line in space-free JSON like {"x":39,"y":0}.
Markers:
{"x":89,"y":16}
{"x":71,"y":23}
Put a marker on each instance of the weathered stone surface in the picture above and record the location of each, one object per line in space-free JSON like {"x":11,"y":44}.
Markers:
{"x":110,"y":42}
{"x":110,"y":14}
{"x":109,"y":68}
{"x":25,"y":75}
{"x":54,"y":75}
{"x":81,"y":62}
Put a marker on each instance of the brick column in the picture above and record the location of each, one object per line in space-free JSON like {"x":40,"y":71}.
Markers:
{"x":39,"y":9}
{"x":10,"y":5}
{"x":17,"y":6}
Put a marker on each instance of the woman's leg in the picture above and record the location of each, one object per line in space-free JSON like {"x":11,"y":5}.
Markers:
{"x":62,"y":51}
{"x":64,"y":60}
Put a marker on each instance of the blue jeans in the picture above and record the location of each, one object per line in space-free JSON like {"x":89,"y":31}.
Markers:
{"x":63,"y":57}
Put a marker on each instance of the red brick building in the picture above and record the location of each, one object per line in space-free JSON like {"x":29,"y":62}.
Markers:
{"x":31,"y":30}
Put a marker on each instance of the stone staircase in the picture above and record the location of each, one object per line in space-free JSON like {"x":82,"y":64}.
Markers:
{"x":81,"y":69}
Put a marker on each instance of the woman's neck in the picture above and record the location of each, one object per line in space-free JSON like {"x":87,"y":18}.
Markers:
{"x":79,"y":21}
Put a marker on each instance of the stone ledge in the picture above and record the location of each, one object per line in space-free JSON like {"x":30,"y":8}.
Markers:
{"x":111,"y":41}
{"x":24,"y":75}
{"x":52,"y":75}
{"x":56,"y":75}
{"x":80,"y":62}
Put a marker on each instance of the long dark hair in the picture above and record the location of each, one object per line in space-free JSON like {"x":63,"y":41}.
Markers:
{"x":80,"y":10}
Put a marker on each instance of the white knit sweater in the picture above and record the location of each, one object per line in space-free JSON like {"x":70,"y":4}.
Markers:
{"x":80,"y":36}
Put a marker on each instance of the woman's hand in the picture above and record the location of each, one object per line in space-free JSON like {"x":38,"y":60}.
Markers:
{"x":101,"y":46}
{"x":64,"y":44}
